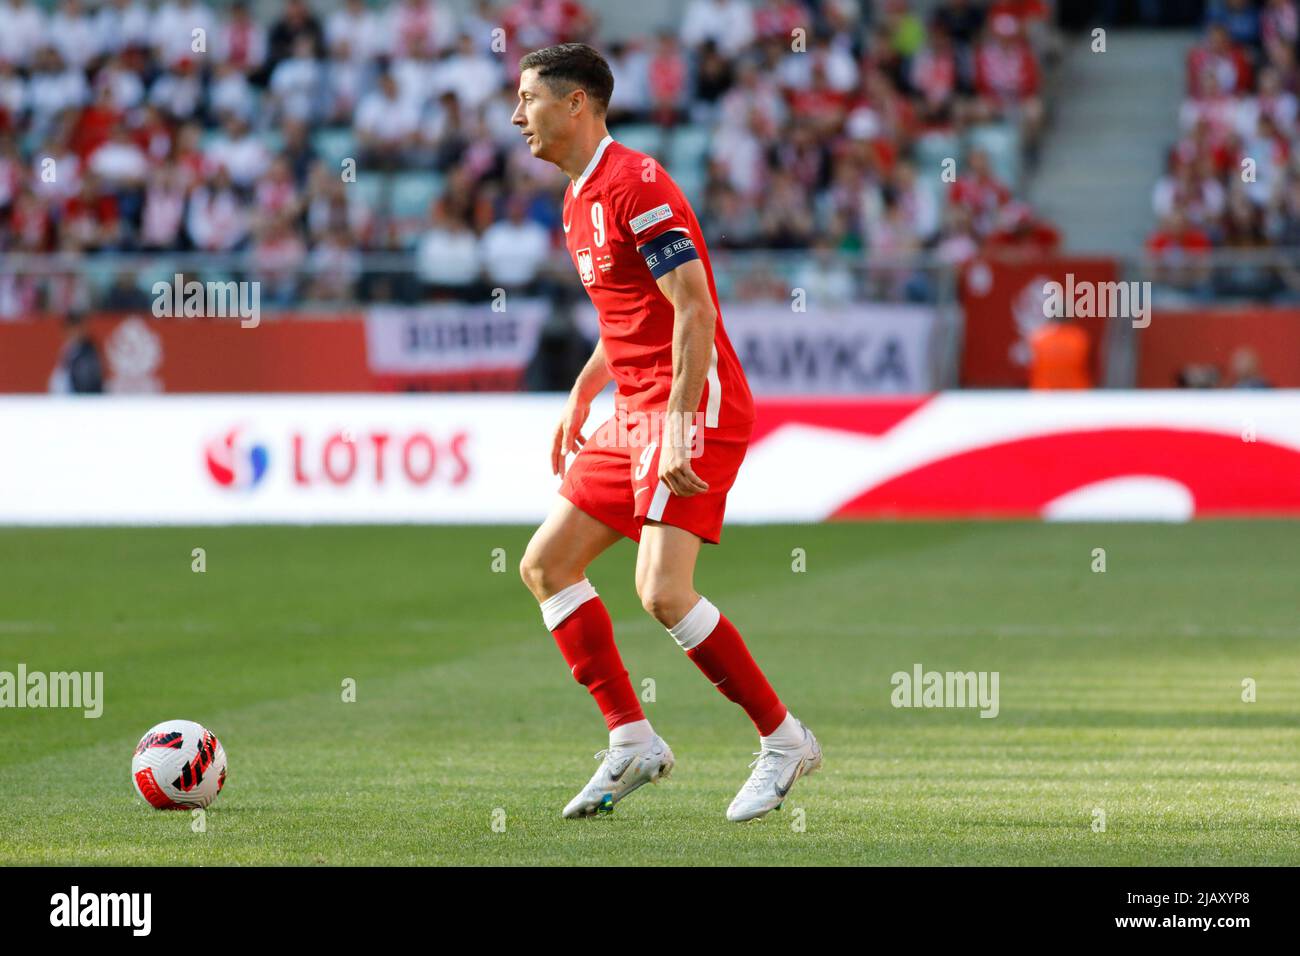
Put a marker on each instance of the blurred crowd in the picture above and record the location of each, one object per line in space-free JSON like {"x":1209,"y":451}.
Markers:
{"x":816,"y":147}
{"x":1232,"y":181}
{"x":175,"y":127}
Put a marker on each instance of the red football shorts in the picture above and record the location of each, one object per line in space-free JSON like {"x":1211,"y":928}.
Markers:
{"x":616,"y":481}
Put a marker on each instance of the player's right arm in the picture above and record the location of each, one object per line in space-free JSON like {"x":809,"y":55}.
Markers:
{"x":568,"y":433}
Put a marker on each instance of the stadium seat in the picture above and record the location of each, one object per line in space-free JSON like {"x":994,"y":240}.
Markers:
{"x":210,"y":136}
{"x":932,"y":149}
{"x":689,"y":147}
{"x":642,"y":137}
{"x":412,"y":193}
{"x":334,"y":144}
{"x":99,"y":278}
{"x":1002,"y":143}
{"x":938,"y":190}
{"x":158,"y":270}
{"x":373,"y":191}
{"x":692,"y":180}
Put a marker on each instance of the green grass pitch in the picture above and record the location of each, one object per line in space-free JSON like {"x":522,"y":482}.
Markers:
{"x":1120,"y":691}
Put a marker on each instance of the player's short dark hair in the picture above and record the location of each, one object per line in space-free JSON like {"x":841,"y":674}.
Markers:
{"x":566,"y":67}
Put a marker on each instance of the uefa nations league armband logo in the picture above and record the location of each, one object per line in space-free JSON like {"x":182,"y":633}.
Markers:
{"x":236,"y":464}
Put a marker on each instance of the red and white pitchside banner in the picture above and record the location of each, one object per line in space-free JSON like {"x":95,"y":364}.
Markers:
{"x":448,"y":458}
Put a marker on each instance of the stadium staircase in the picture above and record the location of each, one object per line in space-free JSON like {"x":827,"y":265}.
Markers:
{"x":1114,"y":116}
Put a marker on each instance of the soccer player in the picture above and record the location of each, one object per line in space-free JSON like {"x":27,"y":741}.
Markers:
{"x":659,"y":470}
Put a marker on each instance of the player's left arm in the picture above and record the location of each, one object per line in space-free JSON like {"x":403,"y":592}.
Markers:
{"x":654,"y":214}
{"x":694,"y":321}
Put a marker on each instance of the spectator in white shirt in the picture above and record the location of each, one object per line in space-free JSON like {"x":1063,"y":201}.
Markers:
{"x":1272,"y":100}
{"x":1193,"y":189}
{"x":514,"y":250}
{"x":53,"y":88}
{"x":24,"y":32}
{"x":335,"y":266}
{"x":230,"y":94}
{"x":64,"y":166}
{"x":279,"y":253}
{"x":356,"y":26}
{"x":164,"y":208}
{"x":916,"y":200}
{"x":824,"y":276}
{"x":957,"y":243}
{"x":120,"y":24}
{"x":217,"y":220}
{"x":298,"y":84}
{"x":332,"y":207}
{"x":119,"y":161}
{"x":471,"y":75}
{"x":241,"y":40}
{"x":739,"y":154}
{"x":241,"y":153}
{"x":837,"y":64}
{"x":630,"y":65}
{"x":173,"y":34}
{"x":13,"y":92}
{"x":728,"y":23}
{"x":444,"y":137}
{"x":447,"y":255}
{"x":126,"y":89}
{"x":73,"y":32}
{"x":386,"y":124}
{"x":417,"y":77}
{"x":755,"y":93}
{"x":178,"y":93}
{"x":479,"y":23}
{"x":1268,"y":146}
{"x":496,"y":119}
{"x":345,"y":77}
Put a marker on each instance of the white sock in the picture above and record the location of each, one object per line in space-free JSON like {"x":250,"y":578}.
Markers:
{"x":698,"y":624}
{"x":557,"y":608}
{"x":787,"y":736}
{"x":635,"y":734}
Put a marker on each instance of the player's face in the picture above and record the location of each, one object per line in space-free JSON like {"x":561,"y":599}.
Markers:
{"x":541,"y":116}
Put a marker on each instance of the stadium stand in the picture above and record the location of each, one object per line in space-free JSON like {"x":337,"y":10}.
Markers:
{"x":117,"y":136}
{"x":1232,"y":179}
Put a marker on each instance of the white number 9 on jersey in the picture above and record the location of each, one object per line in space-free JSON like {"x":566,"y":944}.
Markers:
{"x":598,"y":223}
{"x":647,"y":456}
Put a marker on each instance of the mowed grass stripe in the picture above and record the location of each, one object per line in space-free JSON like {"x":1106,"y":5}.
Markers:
{"x":1120,"y":691}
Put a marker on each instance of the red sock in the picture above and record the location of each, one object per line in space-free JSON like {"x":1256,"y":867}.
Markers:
{"x":725,"y":660}
{"x":586,"y":639}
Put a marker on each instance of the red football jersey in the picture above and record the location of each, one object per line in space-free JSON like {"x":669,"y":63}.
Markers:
{"x":623,"y":201}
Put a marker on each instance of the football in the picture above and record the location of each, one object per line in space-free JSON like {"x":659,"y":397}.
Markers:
{"x":178,"y":765}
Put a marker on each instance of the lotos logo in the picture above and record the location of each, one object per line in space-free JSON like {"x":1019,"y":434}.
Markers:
{"x":349,"y":457}
{"x":233,"y":464}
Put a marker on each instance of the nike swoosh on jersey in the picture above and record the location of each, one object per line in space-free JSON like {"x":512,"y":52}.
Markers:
{"x":566,"y":227}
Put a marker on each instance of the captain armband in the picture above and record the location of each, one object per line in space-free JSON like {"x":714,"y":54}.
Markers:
{"x":665,"y":253}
